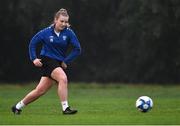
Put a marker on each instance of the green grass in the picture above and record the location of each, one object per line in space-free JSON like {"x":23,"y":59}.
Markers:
{"x":96,"y":103}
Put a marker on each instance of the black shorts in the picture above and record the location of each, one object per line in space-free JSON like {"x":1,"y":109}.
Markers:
{"x":49,"y":65}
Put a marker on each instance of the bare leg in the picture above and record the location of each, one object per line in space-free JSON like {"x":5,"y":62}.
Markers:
{"x":59,"y":75}
{"x":43,"y":86}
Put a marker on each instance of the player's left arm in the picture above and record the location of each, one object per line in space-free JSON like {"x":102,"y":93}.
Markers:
{"x":76,"y":51}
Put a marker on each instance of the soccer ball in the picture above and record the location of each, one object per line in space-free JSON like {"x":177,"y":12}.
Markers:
{"x":144,"y":103}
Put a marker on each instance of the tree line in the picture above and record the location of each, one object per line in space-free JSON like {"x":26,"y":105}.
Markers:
{"x":131,"y":41}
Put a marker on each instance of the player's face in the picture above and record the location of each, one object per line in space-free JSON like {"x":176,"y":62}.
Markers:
{"x":61,"y":22}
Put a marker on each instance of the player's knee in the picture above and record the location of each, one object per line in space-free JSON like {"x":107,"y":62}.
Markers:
{"x":40,"y":92}
{"x":63,"y":79}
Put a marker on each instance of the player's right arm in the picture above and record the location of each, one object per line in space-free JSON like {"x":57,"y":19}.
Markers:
{"x":32,"y":49}
{"x":37,"y":62}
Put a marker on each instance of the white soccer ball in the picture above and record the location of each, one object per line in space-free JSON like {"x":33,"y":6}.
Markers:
{"x":144,"y":103}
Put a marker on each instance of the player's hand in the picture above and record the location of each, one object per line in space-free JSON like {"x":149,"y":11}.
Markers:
{"x":63,"y":65}
{"x":37,"y":62}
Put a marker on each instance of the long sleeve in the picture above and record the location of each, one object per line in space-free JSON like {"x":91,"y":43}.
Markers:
{"x":76,"y":51}
{"x":32,"y":46}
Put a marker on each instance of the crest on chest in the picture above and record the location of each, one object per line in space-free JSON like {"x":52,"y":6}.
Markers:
{"x":64,"y":37}
{"x":51,"y":38}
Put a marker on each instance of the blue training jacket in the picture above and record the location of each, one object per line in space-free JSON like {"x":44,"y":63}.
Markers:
{"x":54,"y":46}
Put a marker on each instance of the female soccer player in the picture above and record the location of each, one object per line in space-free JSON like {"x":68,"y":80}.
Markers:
{"x":55,"y":41}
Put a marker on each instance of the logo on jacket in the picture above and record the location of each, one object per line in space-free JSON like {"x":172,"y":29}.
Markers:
{"x":64,"y":37}
{"x":51,"y":38}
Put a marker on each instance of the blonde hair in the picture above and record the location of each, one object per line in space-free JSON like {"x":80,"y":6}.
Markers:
{"x":62,"y":12}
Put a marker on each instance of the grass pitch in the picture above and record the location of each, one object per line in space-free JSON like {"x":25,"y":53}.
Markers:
{"x":99,"y":104}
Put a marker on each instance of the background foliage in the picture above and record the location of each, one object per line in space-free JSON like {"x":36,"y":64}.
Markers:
{"x":122,"y":40}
